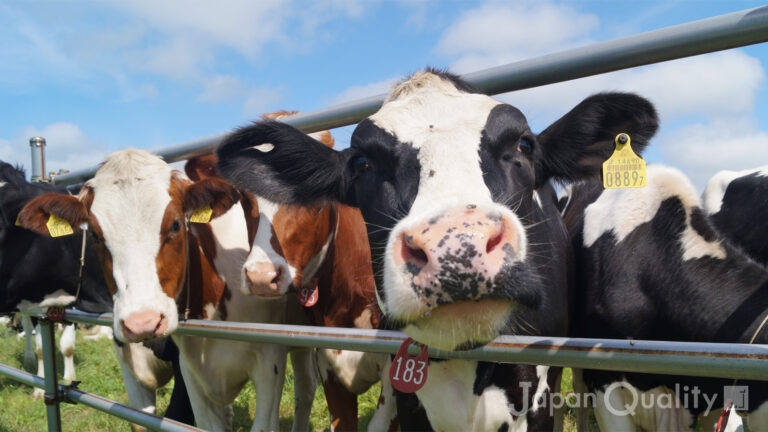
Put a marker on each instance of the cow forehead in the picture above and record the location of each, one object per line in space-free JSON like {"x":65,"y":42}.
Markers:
{"x":445,"y":125}
{"x":130,"y":194}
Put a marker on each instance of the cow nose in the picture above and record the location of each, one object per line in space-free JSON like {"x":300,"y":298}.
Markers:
{"x":458,"y":254}
{"x":144,"y":325}
{"x":264,"y":279}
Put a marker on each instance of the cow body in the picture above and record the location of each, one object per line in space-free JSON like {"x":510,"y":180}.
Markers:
{"x":465,"y":236}
{"x":159,"y":269}
{"x":651,"y":266}
{"x":737,"y":202}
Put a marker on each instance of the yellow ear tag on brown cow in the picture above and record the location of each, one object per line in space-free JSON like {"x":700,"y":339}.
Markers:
{"x":17,"y":223}
{"x":624,"y":169}
{"x":58,"y":227}
{"x":201,"y":215}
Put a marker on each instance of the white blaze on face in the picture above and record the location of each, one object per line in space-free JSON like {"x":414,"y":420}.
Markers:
{"x":621,"y":211}
{"x":130,"y":198}
{"x":262,"y":250}
{"x":445,"y":125}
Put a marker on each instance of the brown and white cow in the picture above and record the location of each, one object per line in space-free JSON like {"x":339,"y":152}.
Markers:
{"x":136,"y":208}
{"x":326,"y":247}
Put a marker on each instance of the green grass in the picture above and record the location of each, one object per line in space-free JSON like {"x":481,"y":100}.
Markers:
{"x":99,"y":373}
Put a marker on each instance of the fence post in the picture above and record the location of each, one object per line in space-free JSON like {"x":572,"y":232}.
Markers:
{"x":37,"y":151}
{"x":51,"y":378}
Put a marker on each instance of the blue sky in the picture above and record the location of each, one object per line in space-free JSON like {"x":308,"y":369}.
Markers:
{"x":94,"y":77}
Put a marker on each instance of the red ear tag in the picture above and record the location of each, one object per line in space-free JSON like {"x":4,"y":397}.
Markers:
{"x":409,"y":374}
{"x":308,"y":294}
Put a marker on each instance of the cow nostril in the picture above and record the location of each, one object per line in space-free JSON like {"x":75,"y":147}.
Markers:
{"x":414,"y":255}
{"x":276,"y":279}
{"x":494,"y":241}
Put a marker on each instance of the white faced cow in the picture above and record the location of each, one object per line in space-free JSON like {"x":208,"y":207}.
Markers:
{"x":651,"y":266}
{"x":465,"y":236}
{"x":136,"y":206}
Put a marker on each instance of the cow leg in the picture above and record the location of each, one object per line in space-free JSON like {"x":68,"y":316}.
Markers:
{"x":29,"y":351}
{"x":268,"y":379}
{"x":342,"y":403}
{"x":67,"y":348}
{"x":385,"y":416}
{"x":39,"y":393}
{"x":139,"y":396}
{"x":556,"y":374}
{"x":304,"y":387}
{"x":209,"y":415}
{"x":611,"y":412}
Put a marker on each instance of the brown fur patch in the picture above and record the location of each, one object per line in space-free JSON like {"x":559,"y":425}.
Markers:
{"x":201,"y":167}
{"x":36,"y":213}
{"x":214,"y":192}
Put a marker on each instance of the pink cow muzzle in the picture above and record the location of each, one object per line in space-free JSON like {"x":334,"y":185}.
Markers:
{"x":463,"y":254}
{"x":140,"y":326}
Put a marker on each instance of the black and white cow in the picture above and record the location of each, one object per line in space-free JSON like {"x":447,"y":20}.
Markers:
{"x":651,"y":266}
{"x":737,"y":202}
{"x":40,"y":271}
{"x":465,"y":236}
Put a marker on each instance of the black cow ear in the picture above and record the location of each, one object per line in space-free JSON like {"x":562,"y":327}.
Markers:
{"x":282,"y":164}
{"x":575,"y":146}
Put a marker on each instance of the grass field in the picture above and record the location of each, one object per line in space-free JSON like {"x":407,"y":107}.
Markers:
{"x":99,"y":373}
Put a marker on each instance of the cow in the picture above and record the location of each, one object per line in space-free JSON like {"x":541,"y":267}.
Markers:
{"x":650,"y":265}
{"x":465,"y":237}
{"x":39,"y":271}
{"x":737,"y":202}
{"x":161,"y":268}
{"x":324,"y":246}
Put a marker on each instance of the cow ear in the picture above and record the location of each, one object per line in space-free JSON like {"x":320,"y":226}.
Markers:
{"x":575,"y":146}
{"x":37,"y":213}
{"x":282,"y":164}
{"x":214,"y":192}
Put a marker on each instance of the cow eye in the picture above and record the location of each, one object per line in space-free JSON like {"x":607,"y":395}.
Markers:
{"x":176,"y":226}
{"x":360,"y":165}
{"x":525,"y":145}
{"x":95,"y":236}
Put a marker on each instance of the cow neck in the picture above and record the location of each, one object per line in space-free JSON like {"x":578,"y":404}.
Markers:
{"x":345,"y":280}
{"x":202,"y":284}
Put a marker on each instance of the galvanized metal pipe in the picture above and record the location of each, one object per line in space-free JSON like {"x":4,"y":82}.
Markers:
{"x":100,"y":403}
{"x":37,"y":153}
{"x":698,"y":37}
{"x":125,"y":412}
{"x":676,"y":358}
{"x":52,"y":412}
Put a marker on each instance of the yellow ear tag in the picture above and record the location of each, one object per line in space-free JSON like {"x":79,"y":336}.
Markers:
{"x":58,"y":227}
{"x":624,"y":169}
{"x":201,"y":215}
{"x":17,"y":223}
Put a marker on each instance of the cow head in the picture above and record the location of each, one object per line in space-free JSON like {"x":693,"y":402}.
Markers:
{"x":136,"y":209}
{"x":454,"y":187}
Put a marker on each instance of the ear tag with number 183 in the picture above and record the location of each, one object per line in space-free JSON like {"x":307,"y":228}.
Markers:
{"x":408,"y":374}
{"x":58,"y":227}
{"x":624,"y":169}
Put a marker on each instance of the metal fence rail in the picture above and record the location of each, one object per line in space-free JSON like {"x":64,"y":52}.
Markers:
{"x":717,"y":360}
{"x":718,"y":33}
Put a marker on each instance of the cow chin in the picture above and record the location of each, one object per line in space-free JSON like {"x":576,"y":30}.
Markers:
{"x":462,"y":325}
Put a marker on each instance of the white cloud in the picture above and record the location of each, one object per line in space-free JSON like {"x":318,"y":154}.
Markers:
{"x":703,"y":149}
{"x":497,"y":33}
{"x":221,"y":88}
{"x":363,"y":91}
{"x":262,"y":100}
{"x":67,"y":147}
{"x":712,"y":85}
